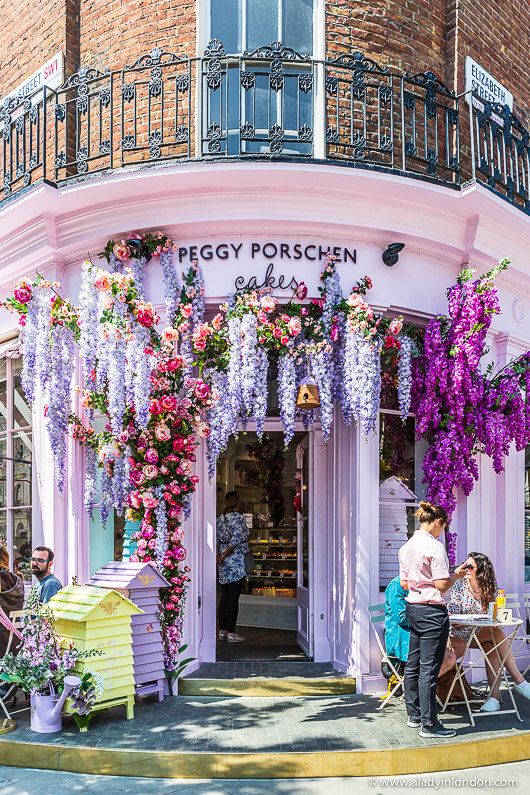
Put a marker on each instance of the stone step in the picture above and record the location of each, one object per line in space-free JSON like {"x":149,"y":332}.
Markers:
{"x":268,"y":687}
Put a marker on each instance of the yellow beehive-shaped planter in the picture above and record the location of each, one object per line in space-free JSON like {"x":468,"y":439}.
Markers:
{"x":99,"y":619}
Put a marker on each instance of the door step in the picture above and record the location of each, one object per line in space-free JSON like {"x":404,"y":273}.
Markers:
{"x":268,"y":687}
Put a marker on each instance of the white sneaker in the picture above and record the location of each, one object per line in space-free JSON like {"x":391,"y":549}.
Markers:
{"x":491,"y":705}
{"x":523,"y":689}
{"x":233,"y":637}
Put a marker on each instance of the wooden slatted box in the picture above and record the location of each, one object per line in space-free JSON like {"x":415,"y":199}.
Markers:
{"x":140,"y":582}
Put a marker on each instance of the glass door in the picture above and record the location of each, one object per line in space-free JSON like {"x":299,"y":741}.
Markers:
{"x":304,"y":560}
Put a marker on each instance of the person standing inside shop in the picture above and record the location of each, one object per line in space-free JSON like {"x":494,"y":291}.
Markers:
{"x":232,"y":543}
{"x":424,"y":572}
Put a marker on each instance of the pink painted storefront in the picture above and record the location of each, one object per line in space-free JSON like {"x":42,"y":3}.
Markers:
{"x":240,"y":217}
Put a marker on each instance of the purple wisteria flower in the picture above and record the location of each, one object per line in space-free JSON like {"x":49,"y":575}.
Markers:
{"x":29,"y":347}
{"x":351,"y":376}
{"x":90,"y":480}
{"x":370,"y":384}
{"x":137,"y":265}
{"x":89,"y":316}
{"x":116,"y":375}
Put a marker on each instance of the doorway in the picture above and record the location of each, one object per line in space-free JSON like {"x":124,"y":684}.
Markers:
{"x":273,"y":484}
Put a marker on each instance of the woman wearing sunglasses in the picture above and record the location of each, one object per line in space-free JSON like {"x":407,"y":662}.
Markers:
{"x":472,"y":594}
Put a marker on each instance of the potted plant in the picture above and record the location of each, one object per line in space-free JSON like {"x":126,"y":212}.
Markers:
{"x":41,"y":668}
{"x":173,"y":674}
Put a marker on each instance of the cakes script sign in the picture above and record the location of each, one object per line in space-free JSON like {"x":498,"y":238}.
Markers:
{"x":257,"y":264}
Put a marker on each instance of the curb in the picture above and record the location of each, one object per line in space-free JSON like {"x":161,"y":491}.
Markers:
{"x":265,"y":687}
{"x":305,"y":764}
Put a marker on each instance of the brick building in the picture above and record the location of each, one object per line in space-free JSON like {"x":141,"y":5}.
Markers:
{"x":359,"y":130}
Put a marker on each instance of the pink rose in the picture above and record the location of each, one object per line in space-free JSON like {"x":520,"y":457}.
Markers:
{"x":151,"y":455}
{"x":142,"y":543}
{"x":150,"y":471}
{"x":162,"y":433}
{"x":137,"y":477}
{"x":121,"y":251}
{"x":148,"y":532}
{"x":277,"y":332}
{"x":179,"y":445}
{"x":154,"y":407}
{"x":301,"y":291}
{"x":202,"y":390}
{"x":170,"y":334}
{"x":23,"y":294}
{"x":262,"y":317}
{"x":102,"y":280}
{"x":186,"y":310}
{"x":199,"y":345}
{"x":168,"y":402}
{"x":174,"y":364}
{"x":268,"y":303}
{"x":148,"y":500}
{"x":174,"y":512}
{"x":284,"y":340}
{"x":217,"y":321}
{"x":180,"y":553}
{"x":145,"y":318}
{"x":395,"y":326}
{"x":294,"y":326}
{"x":151,"y":544}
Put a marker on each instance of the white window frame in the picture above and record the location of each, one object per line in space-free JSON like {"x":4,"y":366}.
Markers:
{"x":9,"y":435}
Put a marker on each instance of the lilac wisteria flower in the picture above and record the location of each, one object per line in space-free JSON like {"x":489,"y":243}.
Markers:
{"x":137,"y":266}
{"x":351,"y":376}
{"x":321,"y":368}
{"x":261,"y":391}
{"x":171,"y":284}
{"x":61,"y":366}
{"x":161,"y":527}
{"x":287,"y":395}
{"x":29,"y":347}
{"x":116,"y":381}
{"x":235,"y":366}
{"x":42,"y":349}
{"x":89,"y":317}
{"x":249,"y":346}
{"x":90,"y":480}
{"x":404,"y":386}
{"x":370,"y":384}
{"x":219,"y":418}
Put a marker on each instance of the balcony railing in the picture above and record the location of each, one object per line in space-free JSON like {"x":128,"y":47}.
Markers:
{"x":272,"y":103}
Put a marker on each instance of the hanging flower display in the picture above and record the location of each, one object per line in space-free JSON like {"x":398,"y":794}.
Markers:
{"x":461,"y":410}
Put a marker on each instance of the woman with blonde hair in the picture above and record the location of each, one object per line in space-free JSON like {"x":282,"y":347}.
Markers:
{"x":424,"y":572}
{"x":473,"y":595}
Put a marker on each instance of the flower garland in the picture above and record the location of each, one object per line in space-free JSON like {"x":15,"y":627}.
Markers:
{"x":404,"y":386}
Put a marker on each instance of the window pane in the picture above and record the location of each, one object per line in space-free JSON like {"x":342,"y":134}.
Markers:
{"x":22,"y":469}
{"x":262,"y":23}
{"x":225,"y":19}
{"x":527,"y":516}
{"x":298,"y":25}
{"x":3,"y":529}
{"x":3,"y":472}
{"x":3,"y":395}
{"x":21,"y":409}
{"x":22,"y":541}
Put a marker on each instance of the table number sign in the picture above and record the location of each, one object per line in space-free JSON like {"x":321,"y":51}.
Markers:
{"x":504,"y":615}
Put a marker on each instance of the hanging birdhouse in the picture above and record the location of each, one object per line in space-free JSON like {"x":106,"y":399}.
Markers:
{"x":308,"y":397}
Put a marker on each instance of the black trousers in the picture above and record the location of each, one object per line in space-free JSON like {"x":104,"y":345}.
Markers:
{"x":229,"y":604}
{"x":429,"y":631}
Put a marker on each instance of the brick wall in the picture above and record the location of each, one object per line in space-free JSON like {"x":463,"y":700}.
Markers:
{"x":497,"y":35}
{"x":31,"y":33}
{"x":115,"y":32}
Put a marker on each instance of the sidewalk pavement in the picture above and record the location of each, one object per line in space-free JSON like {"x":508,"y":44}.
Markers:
{"x":485,"y":780}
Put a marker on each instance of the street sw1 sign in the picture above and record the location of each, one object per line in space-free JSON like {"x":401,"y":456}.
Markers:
{"x":50,"y":74}
{"x":478,"y":80}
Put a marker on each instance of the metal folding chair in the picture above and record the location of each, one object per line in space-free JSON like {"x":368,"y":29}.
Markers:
{"x":525,"y":636}
{"x":377,"y":620}
{"x":8,"y":624}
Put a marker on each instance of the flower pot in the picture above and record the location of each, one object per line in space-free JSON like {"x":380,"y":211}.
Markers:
{"x":45,"y":719}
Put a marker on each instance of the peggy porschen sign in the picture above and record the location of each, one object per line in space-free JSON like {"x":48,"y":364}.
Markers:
{"x":256,"y":264}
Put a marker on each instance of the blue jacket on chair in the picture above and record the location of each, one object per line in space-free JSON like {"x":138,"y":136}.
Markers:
{"x":397,"y":630}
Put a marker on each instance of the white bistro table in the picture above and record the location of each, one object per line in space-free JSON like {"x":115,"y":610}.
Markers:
{"x":476,"y":623}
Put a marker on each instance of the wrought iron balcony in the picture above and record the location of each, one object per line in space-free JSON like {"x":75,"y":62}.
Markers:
{"x":270,"y":104}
